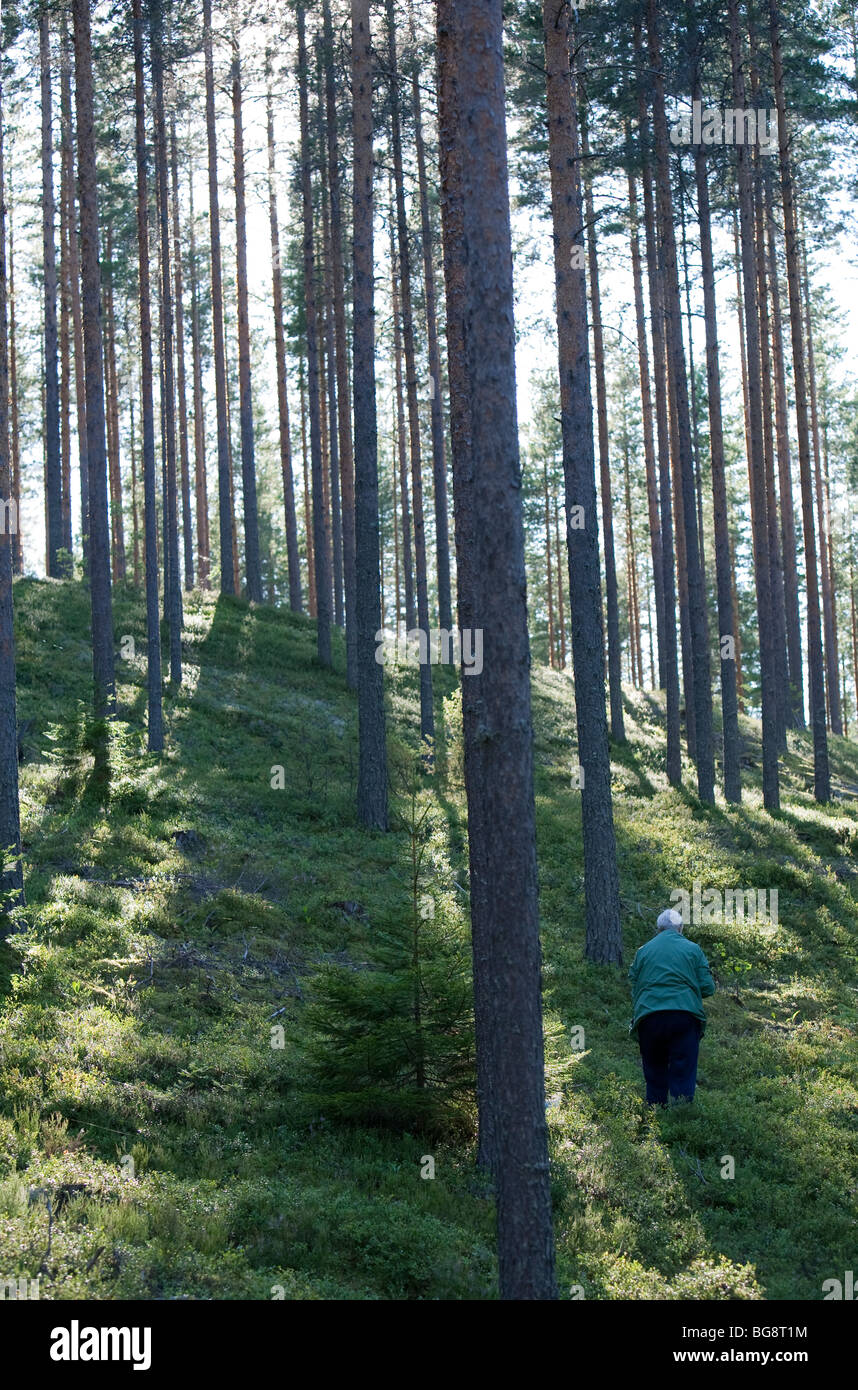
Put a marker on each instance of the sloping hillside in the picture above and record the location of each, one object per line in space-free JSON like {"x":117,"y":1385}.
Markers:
{"x":159,"y":1137}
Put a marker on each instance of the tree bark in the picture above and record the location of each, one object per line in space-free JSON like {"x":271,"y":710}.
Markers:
{"x":248,"y":460}
{"x":604,"y":940}
{"x":167,"y":325}
{"x":227,"y":520}
{"x":427,"y":714}
{"x":181,"y":384}
{"x":11,"y":869}
{"x":343,"y":393}
{"x":296,"y":602}
{"x":499,"y":766}
{"x":762,"y":566}
{"x":676,"y":358}
{"x":321,"y":551}
{"x":99,"y":558}
{"x":150,"y":521}
{"x":200,"y":480}
{"x":372,"y":758}
{"x":821,"y":774}
{"x":75,"y":285}
{"x":53,"y":466}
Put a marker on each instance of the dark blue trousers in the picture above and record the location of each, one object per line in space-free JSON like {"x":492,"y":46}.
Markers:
{"x":669,"y":1041}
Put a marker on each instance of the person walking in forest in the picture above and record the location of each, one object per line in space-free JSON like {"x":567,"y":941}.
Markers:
{"x":670,"y":978}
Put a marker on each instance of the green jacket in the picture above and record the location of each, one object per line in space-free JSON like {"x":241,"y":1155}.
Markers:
{"x":669,"y":972}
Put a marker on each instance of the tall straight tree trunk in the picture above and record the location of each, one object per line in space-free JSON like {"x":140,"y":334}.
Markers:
{"x":723,"y":567}
{"x":308,"y":515}
{"x":772,"y":511}
{"x":11,"y":869}
{"x":615,"y":685}
{"x":75,"y":286}
{"x":150,"y":521}
{"x":329,"y":336}
{"x":439,"y":459}
{"x":795,"y":702}
{"x":762,"y":567}
{"x":821,"y":774}
{"x":560,"y":612}
{"x":499,"y":766}
{"x":53,"y":467}
{"x":65,"y":342}
{"x":372,"y":759}
{"x":179,"y":289}
{"x":453,"y":230}
{"x":401,"y":441}
{"x":117,"y":528}
{"x":296,"y":602}
{"x":135,"y":511}
{"x":427,"y":715}
{"x":224,"y":468}
{"x":604,"y":940}
{"x":248,"y":460}
{"x":15,"y":446}
{"x":343,"y":392}
{"x":167,"y":324}
{"x":674,"y":751}
{"x":321,"y":551}
{"x":200,"y":480}
{"x":549,"y":574}
{"x":676,"y":358}
{"x":647,"y":422}
{"x":99,"y":558}
{"x":829,"y":615}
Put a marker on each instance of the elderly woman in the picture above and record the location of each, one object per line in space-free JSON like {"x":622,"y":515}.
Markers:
{"x":670,"y":979}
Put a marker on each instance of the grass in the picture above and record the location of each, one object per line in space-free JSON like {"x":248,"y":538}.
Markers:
{"x":148,"y":1096}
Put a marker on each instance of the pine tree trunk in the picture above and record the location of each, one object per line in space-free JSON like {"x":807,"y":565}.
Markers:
{"x":179,"y":289}
{"x":676,"y":357}
{"x":53,"y":467}
{"x":296,"y":602}
{"x":135,"y":511}
{"x":372,"y":764}
{"x":427,"y":714}
{"x":828,"y":606}
{"x":762,"y":566}
{"x":453,"y":229}
{"x":401,"y":442}
{"x":549,"y":577}
{"x":11,"y":870}
{"x":795,"y":702}
{"x":604,"y":940}
{"x":723,"y":568}
{"x":117,"y":529}
{"x":321,"y":553}
{"x":99,"y":558}
{"x":200,"y":480}
{"x":150,"y":521}
{"x":15,"y":449}
{"x":559,"y":555}
{"x":75,"y":286}
{"x":615,"y":685}
{"x":647,"y":422}
{"x":674,"y":751}
{"x":821,"y":775}
{"x":66,"y":202}
{"x":248,"y":459}
{"x":343,"y":394}
{"x":439,"y":460}
{"x":499,"y":766}
{"x":168,"y":399}
{"x":227,"y":520}
{"x":333,"y":473}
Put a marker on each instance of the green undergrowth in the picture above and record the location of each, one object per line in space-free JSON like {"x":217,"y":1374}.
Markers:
{"x":175,"y":1118}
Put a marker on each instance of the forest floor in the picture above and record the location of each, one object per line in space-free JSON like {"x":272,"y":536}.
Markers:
{"x":157,"y":1140}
